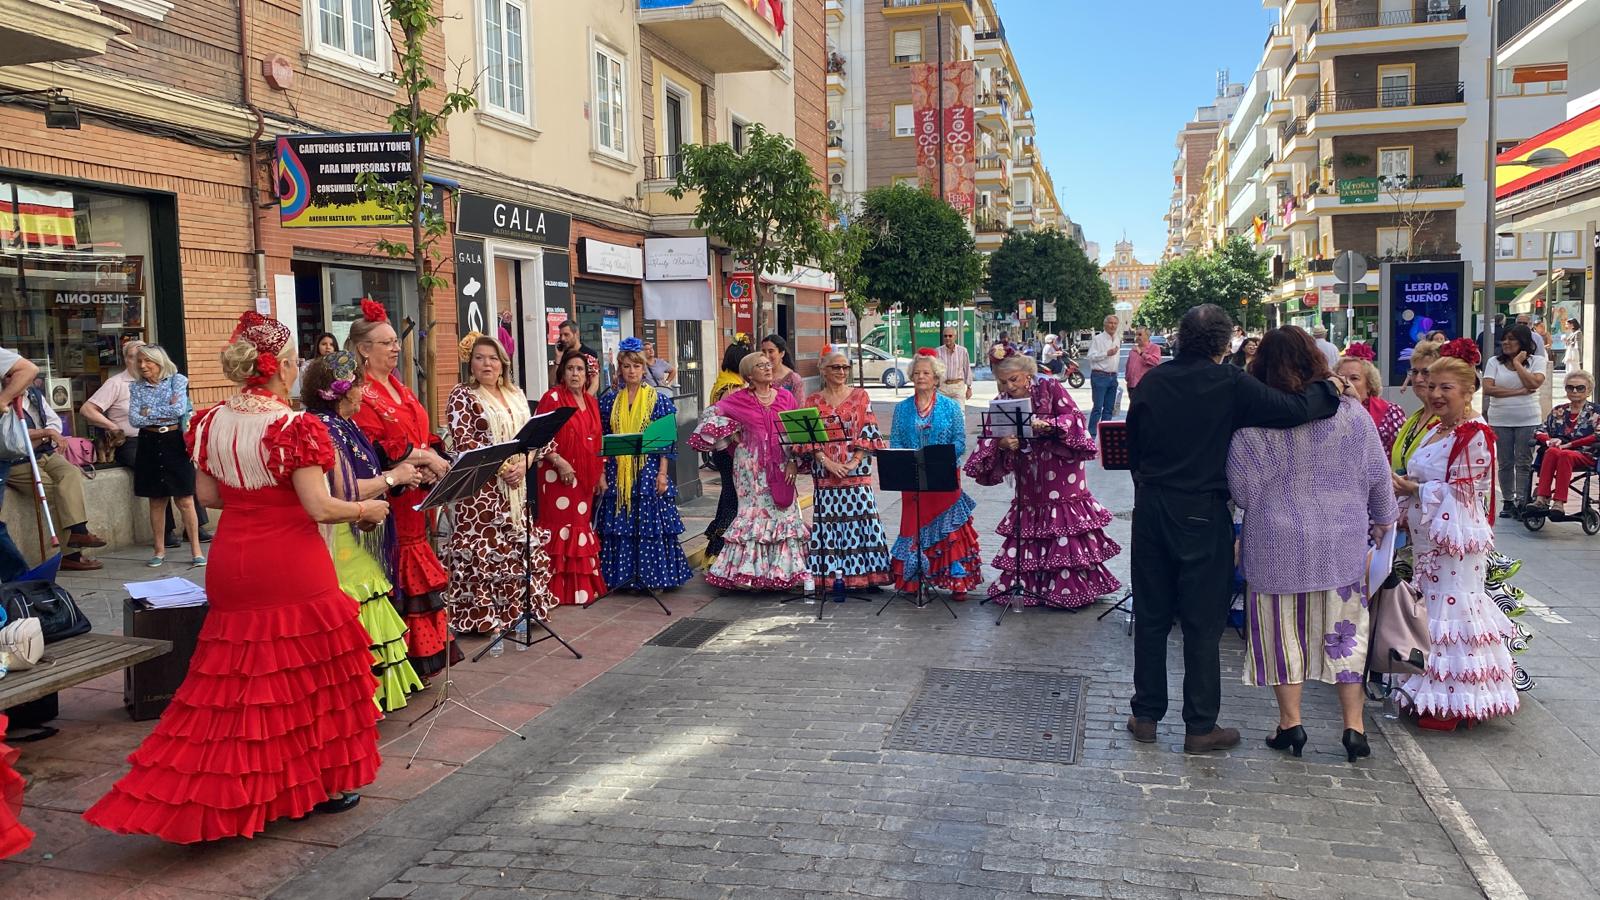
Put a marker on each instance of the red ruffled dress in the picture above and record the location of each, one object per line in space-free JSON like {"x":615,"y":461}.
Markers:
{"x":419,"y":578}
{"x":568,"y":512}
{"x":14,"y":836}
{"x":276,"y":713}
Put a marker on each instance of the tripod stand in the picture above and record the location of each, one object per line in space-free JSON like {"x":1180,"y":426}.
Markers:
{"x":657,"y":438}
{"x":929,"y":469}
{"x":1013,"y":420}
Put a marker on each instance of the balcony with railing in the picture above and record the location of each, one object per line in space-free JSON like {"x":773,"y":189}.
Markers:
{"x":1294,"y":139}
{"x":39,"y":31}
{"x":660,"y":175}
{"x":1405,"y":107}
{"x":1387,"y":194}
{"x":962,"y":9}
{"x":835,"y":74}
{"x":1517,"y":16}
{"x":1429,"y":26}
{"x":989,"y":220}
{"x":724,"y":36}
{"x":834,"y":9}
{"x":1279,"y":47}
{"x":989,"y":30}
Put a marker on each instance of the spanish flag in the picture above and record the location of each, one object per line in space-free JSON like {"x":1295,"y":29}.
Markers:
{"x":1261,"y":228}
{"x":38,"y":220}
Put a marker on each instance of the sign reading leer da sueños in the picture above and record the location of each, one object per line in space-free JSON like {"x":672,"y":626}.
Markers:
{"x":316,"y":178}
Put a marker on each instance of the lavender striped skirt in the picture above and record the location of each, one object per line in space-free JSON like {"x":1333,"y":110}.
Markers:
{"x":1313,"y":636}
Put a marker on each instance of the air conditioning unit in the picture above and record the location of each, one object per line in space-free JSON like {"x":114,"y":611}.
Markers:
{"x":1440,"y":10}
{"x":833,"y":126}
{"x":836,"y":178}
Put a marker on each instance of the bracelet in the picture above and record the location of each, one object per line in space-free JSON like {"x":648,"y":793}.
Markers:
{"x":361,"y":510}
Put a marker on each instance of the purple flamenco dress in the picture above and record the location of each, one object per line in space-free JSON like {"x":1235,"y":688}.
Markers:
{"x":1054,"y":546}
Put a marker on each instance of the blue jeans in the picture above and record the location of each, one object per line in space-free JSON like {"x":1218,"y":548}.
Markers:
{"x":11,"y":562}
{"x":1103,"y":387}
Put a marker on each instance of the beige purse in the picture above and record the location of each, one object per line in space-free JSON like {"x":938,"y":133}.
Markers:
{"x":1401,"y":640}
{"x":21,"y":644}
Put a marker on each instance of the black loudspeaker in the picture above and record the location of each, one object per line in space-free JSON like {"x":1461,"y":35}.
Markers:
{"x":148,"y":687}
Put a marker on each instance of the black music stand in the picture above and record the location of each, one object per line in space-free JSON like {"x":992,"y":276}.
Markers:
{"x":536,"y":434}
{"x":467,"y":475}
{"x":1114,"y":457}
{"x":818,"y":432}
{"x":1014,"y":423}
{"x":915,"y":472}
{"x":643,"y":444}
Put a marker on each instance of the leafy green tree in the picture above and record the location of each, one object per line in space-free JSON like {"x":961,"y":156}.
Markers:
{"x":921,"y":258}
{"x":845,"y":247}
{"x":1232,"y":275}
{"x":408,"y":199}
{"x":1048,"y":266}
{"x":763,"y":203}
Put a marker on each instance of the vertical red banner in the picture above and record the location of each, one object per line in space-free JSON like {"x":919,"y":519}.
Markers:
{"x":741,"y":290}
{"x":953,"y":138}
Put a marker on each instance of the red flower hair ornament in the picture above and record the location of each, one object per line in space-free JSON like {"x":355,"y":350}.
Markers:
{"x":1464,"y":349}
{"x":1362,"y":351}
{"x":268,"y":336}
{"x":927,"y":351}
{"x":373,"y":311}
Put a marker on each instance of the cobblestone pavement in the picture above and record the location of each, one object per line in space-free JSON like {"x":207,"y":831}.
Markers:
{"x":755,"y":766}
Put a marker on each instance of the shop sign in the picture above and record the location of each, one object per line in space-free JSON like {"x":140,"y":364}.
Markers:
{"x":1358,"y":190}
{"x":552,"y":325}
{"x":472,"y":300}
{"x":492,"y":217}
{"x":316,"y":178}
{"x":1328,"y":299}
{"x":557,"y":295}
{"x":600,"y":258}
{"x":740,"y":291}
{"x":677,"y":259}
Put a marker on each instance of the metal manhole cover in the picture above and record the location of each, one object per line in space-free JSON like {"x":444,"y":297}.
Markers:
{"x":1035,"y":716}
{"x":687,"y":633}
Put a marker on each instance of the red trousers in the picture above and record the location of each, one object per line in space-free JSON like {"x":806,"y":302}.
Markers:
{"x":1557,"y":467}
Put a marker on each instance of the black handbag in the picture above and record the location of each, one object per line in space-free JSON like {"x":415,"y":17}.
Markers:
{"x":58,"y":614}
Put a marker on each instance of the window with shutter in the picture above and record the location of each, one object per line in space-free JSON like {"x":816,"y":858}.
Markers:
{"x":903,"y":125}
{"x":908,"y":46}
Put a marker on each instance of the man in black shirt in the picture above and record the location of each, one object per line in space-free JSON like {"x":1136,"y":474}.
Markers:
{"x":1179,"y":426}
{"x":567,"y":339}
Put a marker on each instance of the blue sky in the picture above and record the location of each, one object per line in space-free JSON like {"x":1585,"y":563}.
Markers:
{"x":1111,"y":84}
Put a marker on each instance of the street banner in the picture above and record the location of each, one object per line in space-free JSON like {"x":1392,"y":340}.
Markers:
{"x":954,"y":137}
{"x":1357,"y":190}
{"x":316,"y":178}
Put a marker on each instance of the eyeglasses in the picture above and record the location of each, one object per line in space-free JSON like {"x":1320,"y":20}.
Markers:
{"x":833,"y":368}
{"x":762,"y":365}
{"x":389,"y":343}
{"x":1577,"y":388}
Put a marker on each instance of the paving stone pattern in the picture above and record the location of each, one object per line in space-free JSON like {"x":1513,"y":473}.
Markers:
{"x":756,"y":766}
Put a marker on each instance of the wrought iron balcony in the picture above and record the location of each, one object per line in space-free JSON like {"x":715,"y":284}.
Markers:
{"x":1409,"y":16}
{"x":1382,"y":98}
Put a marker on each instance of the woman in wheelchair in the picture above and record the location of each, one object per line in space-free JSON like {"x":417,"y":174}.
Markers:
{"x":1568,"y":438}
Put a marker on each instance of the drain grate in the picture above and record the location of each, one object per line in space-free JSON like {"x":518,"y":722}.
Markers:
{"x":687,"y":633}
{"x":1036,"y":716}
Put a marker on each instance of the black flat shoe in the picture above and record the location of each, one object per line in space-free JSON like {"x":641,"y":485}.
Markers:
{"x":1291,"y":739}
{"x":343,"y":803}
{"x":1355,"y":745}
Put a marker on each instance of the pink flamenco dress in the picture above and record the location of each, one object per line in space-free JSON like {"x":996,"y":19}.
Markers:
{"x":14,"y":836}
{"x":276,"y":714}
{"x":1059,"y":557}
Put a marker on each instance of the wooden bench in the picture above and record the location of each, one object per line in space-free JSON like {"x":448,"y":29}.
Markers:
{"x":74,"y":661}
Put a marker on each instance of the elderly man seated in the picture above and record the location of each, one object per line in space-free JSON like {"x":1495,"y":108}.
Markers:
{"x":63,"y":484}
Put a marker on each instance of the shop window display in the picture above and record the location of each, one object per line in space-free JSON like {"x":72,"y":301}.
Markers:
{"x":75,"y":283}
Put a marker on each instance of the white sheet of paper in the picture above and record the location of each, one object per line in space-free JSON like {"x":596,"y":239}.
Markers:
{"x":1002,"y":409}
{"x":1380,"y":560}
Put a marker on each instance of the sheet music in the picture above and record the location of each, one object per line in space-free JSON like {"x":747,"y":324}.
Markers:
{"x":1380,"y":560}
{"x":1004,"y":412}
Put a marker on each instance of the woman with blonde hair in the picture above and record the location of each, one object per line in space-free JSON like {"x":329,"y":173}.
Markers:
{"x":937,"y":541}
{"x":1415,"y":427}
{"x":1356,"y":368}
{"x":158,"y":405}
{"x":847,"y":537}
{"x":1450,"y":476}
{"x":637,"y":514}
{"x":484,"y":553}
{"x":396,"y":422}
{"x":275,"y":719}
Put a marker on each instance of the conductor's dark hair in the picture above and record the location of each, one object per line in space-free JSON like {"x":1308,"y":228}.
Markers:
{"x":1205,"y":331}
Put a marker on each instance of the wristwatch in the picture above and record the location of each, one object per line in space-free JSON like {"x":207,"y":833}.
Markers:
{"x":389,"y":480}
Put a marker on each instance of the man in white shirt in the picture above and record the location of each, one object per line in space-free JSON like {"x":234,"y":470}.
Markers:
{"x":1102,"y":359}
{"x":1327,"y":347}
{"x":957,"y":369}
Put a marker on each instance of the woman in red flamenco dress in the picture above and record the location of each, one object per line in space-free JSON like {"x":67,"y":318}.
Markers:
{"x":396,"y":422}
{"x":275,"y":718}
{"x":14,"y":836}
{"x":569,"y":479}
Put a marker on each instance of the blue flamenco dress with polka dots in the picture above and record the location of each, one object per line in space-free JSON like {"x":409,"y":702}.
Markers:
{"x":642,"y":539}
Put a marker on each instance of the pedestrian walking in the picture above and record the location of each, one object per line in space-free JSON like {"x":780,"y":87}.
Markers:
{"x":158,"y":405}
{"x":1102,"y":358}
{"x":1146,"y":355}
{"x":1303,"y":546}
{"x":1053,"y":544}
{"x":275,"y":719}
{"x":1179,"y":427}
{"x":957,"y":381}
{"x":1329,"y":351}
{"x":1573,"y":360}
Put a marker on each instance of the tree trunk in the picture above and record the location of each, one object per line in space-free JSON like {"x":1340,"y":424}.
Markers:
{"x":861,"y":365}
{"x":419,"y":253}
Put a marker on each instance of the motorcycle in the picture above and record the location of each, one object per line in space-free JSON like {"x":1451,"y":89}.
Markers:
{"x":1065,"y":368}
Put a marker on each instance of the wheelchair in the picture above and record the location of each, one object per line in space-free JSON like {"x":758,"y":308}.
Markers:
{"x":1582,"y":484}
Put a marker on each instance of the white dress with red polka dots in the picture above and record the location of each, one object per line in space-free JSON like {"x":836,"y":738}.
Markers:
{"x":1469,"y":670}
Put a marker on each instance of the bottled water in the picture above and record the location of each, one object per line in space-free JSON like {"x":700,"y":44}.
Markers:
{"x":522,"y":635}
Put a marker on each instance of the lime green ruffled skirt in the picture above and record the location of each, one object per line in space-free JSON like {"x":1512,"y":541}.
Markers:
{"x":362,"y":578}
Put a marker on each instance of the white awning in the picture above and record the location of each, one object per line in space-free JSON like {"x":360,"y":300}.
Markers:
{"x":1535,"y":290}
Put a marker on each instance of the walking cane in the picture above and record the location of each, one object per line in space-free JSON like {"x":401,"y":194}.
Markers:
{"x":48,"y":565}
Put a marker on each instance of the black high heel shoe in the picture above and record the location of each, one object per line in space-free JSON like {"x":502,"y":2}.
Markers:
{"x":1291,"y":739}
{"x":1355,"y":744}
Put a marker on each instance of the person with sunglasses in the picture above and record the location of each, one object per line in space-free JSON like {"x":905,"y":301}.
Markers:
{"x":847,"y":537}
{"x":1568,"y":436}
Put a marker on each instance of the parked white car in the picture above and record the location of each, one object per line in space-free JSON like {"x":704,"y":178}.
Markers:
{"x":876,"y":366}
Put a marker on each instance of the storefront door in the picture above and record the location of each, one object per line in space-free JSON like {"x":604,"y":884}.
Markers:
{"x":516,"y":291}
